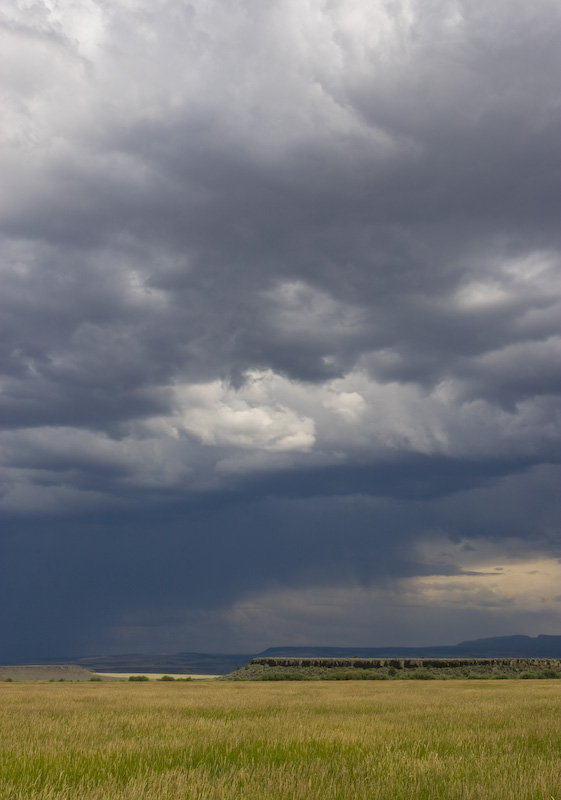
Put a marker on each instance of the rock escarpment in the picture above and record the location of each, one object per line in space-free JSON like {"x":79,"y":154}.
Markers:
{"x":517,"y":664}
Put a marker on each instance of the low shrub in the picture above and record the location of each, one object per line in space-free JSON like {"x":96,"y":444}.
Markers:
{"x":537,"y":674}
{"x":550,"y":673}
{"x":422,"y":675}
{"x":138,"y":678}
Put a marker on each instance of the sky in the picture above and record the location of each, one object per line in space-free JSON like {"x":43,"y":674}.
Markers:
{"x":280,"y":323}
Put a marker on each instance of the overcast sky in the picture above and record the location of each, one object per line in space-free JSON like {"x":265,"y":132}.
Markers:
{"x":280,"y":323}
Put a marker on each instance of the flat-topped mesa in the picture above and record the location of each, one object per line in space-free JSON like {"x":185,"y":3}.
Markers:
{"x":407,"y":663}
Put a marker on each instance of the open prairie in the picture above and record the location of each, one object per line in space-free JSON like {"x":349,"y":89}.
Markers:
{"x":498,"y":740}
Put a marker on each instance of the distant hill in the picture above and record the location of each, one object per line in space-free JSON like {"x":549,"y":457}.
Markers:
{"x":495,"y":647}
{"x":223,"y":663}
{"x":176,"y":663}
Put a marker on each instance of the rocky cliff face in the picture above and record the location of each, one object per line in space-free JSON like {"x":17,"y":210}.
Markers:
{"x":409,"y":663}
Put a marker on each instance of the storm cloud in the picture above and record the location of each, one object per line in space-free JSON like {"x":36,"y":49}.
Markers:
{"x":280,"y":323}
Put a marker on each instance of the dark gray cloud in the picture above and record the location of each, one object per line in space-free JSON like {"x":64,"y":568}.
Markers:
{"x":279,"y":315}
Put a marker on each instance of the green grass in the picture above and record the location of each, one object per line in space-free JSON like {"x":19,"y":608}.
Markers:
{"x":346,"y":740}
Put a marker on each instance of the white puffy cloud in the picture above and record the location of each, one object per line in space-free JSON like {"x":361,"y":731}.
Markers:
{"x":218,"y":415}
{"x":215,"y":431}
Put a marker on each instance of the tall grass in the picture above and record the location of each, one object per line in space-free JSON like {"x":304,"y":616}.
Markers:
{"x":217,"y":741}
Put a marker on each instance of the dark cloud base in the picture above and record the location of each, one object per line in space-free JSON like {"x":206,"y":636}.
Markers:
{"x":67,"y":581}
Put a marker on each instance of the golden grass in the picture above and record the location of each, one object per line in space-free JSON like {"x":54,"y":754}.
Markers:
{"x":460,"y":740}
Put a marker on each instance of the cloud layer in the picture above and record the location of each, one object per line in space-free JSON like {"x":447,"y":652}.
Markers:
{"x":279,"y":317}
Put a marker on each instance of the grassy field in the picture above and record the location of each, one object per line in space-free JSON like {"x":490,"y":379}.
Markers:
{"x":498,"y":740}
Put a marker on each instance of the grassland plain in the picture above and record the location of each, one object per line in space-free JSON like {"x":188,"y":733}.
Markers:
{"x":404,"y":740}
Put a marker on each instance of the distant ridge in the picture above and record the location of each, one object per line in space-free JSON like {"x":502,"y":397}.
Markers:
{"x":496,"y":647}
{"x":173,"y":663}
{"x":221,"y":663}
